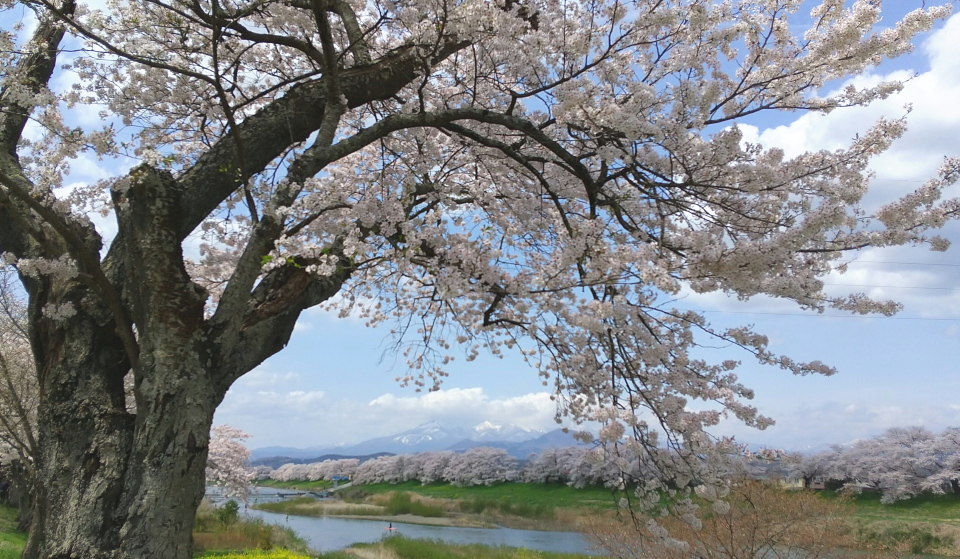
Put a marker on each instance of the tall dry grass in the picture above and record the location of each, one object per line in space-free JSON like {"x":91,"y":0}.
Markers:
{"x":761,"y":521}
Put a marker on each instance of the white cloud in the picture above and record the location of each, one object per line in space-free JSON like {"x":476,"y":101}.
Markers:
{"x":469,"y":406}
{"x":302,"y":326}
{"x":925,"y":290}
{"x":312,"y":419}
{"x":295,"y":405}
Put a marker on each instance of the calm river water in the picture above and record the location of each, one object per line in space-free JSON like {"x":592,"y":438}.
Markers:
{"x":329,"y":534}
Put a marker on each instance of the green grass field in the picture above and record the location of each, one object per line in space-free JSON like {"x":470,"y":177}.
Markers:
{"x":923,"y":508}
{"x":296,"y":485}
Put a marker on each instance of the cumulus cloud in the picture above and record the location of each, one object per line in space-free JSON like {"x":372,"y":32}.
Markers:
{"x":277,"y":404}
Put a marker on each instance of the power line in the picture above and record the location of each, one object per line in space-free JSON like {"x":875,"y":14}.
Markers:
{"x":835,"y":315}
{"x":891,"y":286}
{"x":904,"y":263}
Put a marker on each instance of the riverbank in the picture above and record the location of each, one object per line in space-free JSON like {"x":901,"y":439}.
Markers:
{"x":245,"y":538}
{"x":549,"y":507}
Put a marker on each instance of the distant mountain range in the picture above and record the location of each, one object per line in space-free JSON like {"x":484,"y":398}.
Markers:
{"x":431,"y":436}
{"x":277,"y":461}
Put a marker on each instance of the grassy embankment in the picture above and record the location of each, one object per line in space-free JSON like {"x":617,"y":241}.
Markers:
{"x":221,"y":530}
{"x":517,"y":505}
{"x":928,"y":522}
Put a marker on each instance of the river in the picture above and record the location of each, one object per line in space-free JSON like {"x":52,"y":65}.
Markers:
{"x":326,"y":533}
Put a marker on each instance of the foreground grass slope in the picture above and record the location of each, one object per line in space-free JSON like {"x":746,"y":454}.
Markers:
{"x":11,"y":541}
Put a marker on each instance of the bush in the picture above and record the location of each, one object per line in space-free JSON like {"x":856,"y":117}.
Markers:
{"x":401,"y":503}
{"x":353,"y":495}
{"x":229,"y":512}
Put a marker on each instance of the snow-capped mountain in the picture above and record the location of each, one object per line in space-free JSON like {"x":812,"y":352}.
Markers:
{"x":487,"y":431}
{"x":429,"y":436}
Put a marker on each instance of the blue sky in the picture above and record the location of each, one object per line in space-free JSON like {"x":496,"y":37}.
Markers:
{"x":334,"y":384}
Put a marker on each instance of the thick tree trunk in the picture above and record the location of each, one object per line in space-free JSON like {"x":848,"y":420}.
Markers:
{"x":86,"y":433}
{"x":135,"y":482}
{"x":165,"y":481}
{"x":115,"y":484}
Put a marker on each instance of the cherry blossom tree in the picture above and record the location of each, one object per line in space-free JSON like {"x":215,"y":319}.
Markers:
{"x":316,"y":471}
{"x":509,"y":175}
{"x":18,"y":381}
{"x":228,"y":461}
{"x":481,"y":466}
{"x":943,"y":460}
{"x":18,"y":400}
{"x":895,"y":463}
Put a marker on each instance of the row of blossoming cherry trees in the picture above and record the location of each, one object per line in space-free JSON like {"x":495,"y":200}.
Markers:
{"x":579,"y":466}
{"x":899,"y":463}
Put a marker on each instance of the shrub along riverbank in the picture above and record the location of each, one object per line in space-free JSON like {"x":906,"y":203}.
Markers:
{"x":218,"y":533}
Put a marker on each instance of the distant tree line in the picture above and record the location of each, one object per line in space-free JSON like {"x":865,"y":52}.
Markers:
{"x":900,"y":463}
{"x":577,"y":466}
